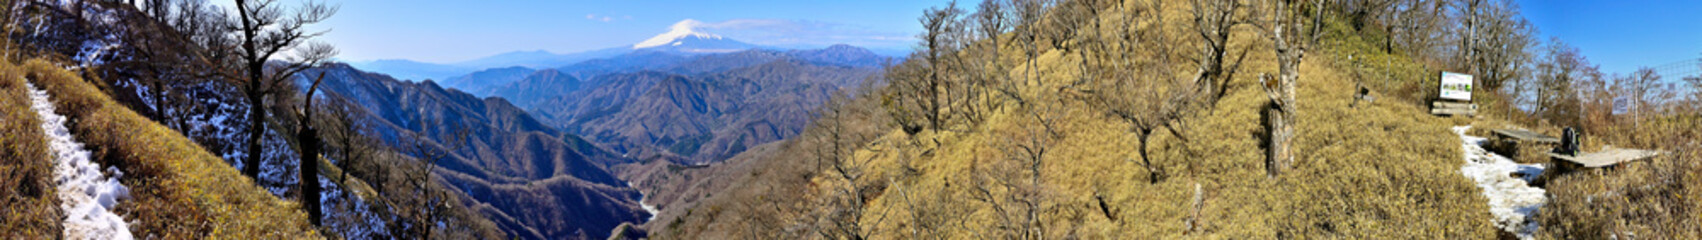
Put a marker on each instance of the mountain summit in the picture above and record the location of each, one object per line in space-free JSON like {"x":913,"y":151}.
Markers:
{"x":684,"y":37}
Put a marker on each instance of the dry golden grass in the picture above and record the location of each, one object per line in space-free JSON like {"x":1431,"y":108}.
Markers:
{"x":180,"y":190}
{"x":1382,"y":170}
{"x":1655,"y":198}
{"x":29,"y":208}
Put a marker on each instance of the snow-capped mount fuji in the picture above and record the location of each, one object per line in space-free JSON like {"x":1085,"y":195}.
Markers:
{"x":683,"y":37}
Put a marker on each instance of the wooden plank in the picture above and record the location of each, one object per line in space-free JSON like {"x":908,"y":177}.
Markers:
{"x":1453,"y":111}
{"x":1607,"y":158}
{"x":1452,"y":108}
{"x":1442,"y":104}
{"x":1524,"y":135}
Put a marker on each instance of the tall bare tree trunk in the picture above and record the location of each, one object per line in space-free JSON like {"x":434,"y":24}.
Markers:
{"x":308,"y":137}
{"x":310,"y":144}
{"x":256,"y":130}
{"x":1291,"y":41}
{"x":256,"y":97}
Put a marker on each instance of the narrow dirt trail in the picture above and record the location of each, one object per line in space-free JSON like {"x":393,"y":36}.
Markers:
{"x":86,"y":196}
{"x":1512,"y":200}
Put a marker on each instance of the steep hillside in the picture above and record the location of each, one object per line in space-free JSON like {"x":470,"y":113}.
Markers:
{"x":1054,"y":162}
{"x":537,"y":86}
{"x":840,"y":55}
{"x":482,"y":82}
{"x":704,"y":117}
{"x":534,"y":178}
{"x":178,"y":190}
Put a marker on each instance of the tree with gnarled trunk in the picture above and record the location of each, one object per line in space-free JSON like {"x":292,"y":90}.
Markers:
{"x":939,"y":26}
{"x":846,"y":206}
{"x":310,"y":144}
{"x":1214,"y":21}
{"x":1132,"y":78}
{"x":265,"y":32}
{"x":1291,"y":36}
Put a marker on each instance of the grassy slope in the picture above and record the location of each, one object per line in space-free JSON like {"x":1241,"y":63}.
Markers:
{"x":180,"y":190}
{"x":1384,"y":170}
{"x":29,"y":208}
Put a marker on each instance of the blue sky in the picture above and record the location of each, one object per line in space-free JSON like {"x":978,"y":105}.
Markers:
{"x":1622,"y":35}
{"x":449,"y":31}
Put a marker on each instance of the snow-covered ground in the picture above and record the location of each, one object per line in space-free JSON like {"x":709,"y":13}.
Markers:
{"x":647,"y":207}
{"x":86,"y":196}
{"x":1512,"y":200}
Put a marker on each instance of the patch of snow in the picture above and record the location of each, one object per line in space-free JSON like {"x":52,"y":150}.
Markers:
{"x":1512,"y":200}
{"x":85,"y":195}
{"x":682,"y":29}
{"x":647,"y":207}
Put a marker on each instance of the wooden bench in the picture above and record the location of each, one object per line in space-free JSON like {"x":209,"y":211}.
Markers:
{"x":1522,"y":135}
{"x":1606,"y":158}
{"x":1517,"y":143}
{"x":1563,"y":164}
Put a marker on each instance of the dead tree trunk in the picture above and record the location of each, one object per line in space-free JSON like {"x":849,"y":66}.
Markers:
{"x":308,"y":137}
{"x":1291,"y":40}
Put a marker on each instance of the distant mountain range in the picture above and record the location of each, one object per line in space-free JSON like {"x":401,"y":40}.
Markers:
{"x":534,"y":181}
{"x":417,"y":71}
{"x":689,"y":108}
{"x":681,"y":97}
{"x":675,"y":42}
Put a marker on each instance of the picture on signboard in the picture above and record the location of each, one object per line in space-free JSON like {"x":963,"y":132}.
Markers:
{"x":1456,"y":86}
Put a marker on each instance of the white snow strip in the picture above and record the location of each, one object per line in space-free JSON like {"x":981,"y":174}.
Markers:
{"x":647,"y":207}
{"x":1512,"y":200}
{"x":85,"y":195}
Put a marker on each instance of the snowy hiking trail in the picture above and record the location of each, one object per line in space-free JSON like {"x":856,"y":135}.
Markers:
{"x":1512,"y":200}
{"x":85,"y":195}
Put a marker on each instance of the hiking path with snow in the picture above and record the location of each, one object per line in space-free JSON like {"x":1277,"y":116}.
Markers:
{"x":85,"y":195}
{"x":1512,"y":200}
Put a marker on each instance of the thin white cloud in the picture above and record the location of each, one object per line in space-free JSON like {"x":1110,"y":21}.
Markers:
{"x":603,"y":18}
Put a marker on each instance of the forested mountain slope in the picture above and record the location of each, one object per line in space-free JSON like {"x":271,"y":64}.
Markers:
{"x":527,"y":177}
{"x":699,"y":109}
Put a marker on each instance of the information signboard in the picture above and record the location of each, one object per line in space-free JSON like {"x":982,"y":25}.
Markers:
{"x":1456,"y":86}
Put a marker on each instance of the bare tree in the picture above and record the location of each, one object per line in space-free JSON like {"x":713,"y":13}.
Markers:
{"x":1214,"y":21}
{"x":267,"y":32}
{"x":1027,"y":15}
{"x":992,"y":20}
{"x":310,"y":144}
{"x":347,"y":136}
{"x":1498,"y":43}
{"x":903,"y":98}
{"x":1560,"y":68}
{"x":352,"y":150}
{"x":1642,"y":90}
{"x":1031,"y":149}
{"x":1137,"y":83}
{"x":1292,"y":34}
{"x":847,"y":202}
{"x":427,"y":204}
{"x":938,"y":26}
